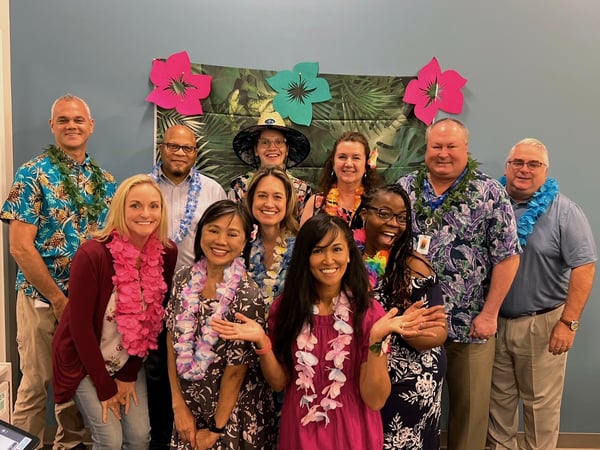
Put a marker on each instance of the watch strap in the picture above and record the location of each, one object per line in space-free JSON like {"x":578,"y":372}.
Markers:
{"x":212,"y":427}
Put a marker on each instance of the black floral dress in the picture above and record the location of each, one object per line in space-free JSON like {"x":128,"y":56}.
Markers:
{"x":411,"y":416}
{"x":252,"y":424}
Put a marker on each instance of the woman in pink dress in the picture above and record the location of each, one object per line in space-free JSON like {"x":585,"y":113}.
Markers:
{"x":328,"y":343}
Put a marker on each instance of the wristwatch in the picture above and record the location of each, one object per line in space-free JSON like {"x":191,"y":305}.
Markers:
{"x":572,"y":324}
{"x":212,"y":427}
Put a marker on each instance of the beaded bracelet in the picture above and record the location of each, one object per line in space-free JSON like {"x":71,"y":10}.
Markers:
{"x":266,"y":349}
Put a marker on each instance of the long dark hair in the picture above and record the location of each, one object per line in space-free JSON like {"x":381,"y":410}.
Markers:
{"x":397,"y":278}
{"x":300,"y":294}
{"x":215,"y":212}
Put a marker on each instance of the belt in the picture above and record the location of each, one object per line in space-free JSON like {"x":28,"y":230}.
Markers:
{"x":534,"y":313}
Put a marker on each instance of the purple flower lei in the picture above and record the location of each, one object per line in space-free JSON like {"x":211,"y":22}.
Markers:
{"x":195,"y":354}
{"x":190,"y":205}
{"x":536,"y":207}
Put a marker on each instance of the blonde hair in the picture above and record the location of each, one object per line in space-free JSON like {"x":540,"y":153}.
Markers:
{"x":115,"y":220}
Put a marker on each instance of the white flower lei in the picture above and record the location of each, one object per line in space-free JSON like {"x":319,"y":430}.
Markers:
{"x":306,"y":361}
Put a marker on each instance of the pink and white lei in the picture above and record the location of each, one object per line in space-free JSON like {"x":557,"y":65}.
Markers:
{"x":306,"y":361}
{"x":195,"y":354}
{"x":140,"y":292}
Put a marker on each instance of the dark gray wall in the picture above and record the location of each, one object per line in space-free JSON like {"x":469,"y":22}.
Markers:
{"x":532,"y":68}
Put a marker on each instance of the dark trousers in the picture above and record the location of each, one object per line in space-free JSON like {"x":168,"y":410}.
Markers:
{"x":159,"y":396}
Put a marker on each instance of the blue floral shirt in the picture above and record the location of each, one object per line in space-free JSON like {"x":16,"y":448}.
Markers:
{"x":471,"y":239}
{"x":38,"y":197}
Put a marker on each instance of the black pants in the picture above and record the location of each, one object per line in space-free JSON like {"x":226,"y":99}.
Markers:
{"x":159,"y":396}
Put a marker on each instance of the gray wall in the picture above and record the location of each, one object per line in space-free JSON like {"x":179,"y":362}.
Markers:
{"x":532,"y":68}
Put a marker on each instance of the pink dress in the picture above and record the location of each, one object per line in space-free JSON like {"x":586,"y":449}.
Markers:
{"x":354,"y":425}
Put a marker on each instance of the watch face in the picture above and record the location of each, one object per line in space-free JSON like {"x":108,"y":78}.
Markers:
{"x":574,"y":325}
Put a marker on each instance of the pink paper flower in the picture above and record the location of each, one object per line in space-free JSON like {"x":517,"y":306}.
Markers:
{"x":176,"y":86}
{"x":434,"y":90}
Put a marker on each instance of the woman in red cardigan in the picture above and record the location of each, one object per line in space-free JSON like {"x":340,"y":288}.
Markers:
{"x":117,"y":290}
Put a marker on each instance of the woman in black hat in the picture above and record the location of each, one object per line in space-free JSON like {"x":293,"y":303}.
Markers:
{"x":271,"y":143}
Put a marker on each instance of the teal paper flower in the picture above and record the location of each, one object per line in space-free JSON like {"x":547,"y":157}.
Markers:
{"x":297,"y":90}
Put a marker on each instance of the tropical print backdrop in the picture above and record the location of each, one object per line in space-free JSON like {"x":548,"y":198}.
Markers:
{"x":372,"y":105}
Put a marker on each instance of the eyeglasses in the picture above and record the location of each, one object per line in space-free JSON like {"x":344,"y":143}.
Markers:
{"x":386,"y":215}
{"x":173,"y":148}
{"x":519,"y":163}
{"x":267,"y":142}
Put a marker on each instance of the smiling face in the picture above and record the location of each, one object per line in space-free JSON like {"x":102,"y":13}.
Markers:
{"x":271,"y":148}
{"x":349,"y":162}
{"x":143,"y":208}
{"x":523,"y":182}
{"x":222,"y":241}
{"x":329,"y":259}
{"x":176,"y":165}
{"x":447,"y":152}
{"x":269,"y":202}
{"x":380,"y":233}
{"x":71,"y":125}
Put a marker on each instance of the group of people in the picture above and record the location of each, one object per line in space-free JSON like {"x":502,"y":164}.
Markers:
{"x":167,"y":313}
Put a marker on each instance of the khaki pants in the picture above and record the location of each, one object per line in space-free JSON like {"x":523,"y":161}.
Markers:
{"x":524,"y":370}
{"x":35,"y":329}
{"x":469,"y":378}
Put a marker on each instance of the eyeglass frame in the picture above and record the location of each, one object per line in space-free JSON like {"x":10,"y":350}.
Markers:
{"x":174,"y":148}
{"x":519,"y":163}
{"x":397,"y":217}
{"x":278,"y":143}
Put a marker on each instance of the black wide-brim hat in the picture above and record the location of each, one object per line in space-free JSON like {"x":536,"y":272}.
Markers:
{"x":244,"y":142}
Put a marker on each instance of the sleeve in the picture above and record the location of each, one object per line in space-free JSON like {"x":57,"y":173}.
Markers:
{"x":24,"y":200}
{"x":577,"y":245}
{"x":502,"y":237}
{"x":85,"y":297}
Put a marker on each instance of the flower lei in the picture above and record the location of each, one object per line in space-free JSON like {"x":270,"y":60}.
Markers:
{"x":306,"y":361}
{"x":140,"y":292}
{"x":195,"y":354}
{"x":376,"y":264}
{"x":332,"y":207}
{"x":270,"y":281}
{"x":64,"y":163}
{"x":536,"y":207}
{"x":456,"y":195}
{"x":190,"y":205}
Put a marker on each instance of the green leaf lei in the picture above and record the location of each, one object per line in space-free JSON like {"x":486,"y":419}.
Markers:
{"x":455,"y":196}
{"x":91,"y":210}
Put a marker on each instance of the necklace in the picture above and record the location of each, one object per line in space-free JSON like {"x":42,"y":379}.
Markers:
{"x":65,"y":164}
{"x":333,"y":208}
{"x":195,"y":354}
{"x":190,"y":205}
{"x":270,"y":281}
{"x":140,"y":292}
{"x":306,"y":361}
{"x":434,"y":213}
{"x":536,"y":206}
{"x":375,"y":264}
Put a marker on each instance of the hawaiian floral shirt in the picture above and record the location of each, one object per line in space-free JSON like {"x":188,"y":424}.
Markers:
{"x":471,"y":239}
{"x":239,"y":187}
{"x":37,"y":197}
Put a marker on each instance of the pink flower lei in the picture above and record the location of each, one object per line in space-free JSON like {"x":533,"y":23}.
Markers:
{"x":306,"y":361}
{"x":140,"y":292}
{"x":195,"y":354}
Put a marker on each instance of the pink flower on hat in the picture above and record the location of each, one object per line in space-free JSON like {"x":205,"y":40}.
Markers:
{"x":434,"y":90}
{"x":176,"y":86}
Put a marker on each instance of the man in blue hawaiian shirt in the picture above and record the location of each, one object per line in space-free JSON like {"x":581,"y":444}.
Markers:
{"x":56,"y":200}
{"x":540,"y":316}
{"x":188,"y":193}
{"x":464,"y":223}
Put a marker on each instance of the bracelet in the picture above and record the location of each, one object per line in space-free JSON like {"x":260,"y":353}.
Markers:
{"x":381,"y":347}
{"x":266,"y":349}
{"x":212,"y":426}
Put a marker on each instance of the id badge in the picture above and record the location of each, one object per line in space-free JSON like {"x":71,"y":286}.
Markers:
{"x":423,"y":243}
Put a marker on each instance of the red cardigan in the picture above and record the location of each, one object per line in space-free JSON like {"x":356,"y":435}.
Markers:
{"x":76,"y":344}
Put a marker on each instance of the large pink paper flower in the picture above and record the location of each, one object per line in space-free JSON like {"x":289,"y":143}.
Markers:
{"x":434,"y":90}
{"x":176,"y":86}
